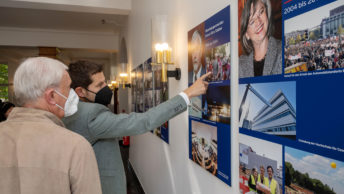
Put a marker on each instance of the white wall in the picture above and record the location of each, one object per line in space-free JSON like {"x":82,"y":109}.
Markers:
{"x":57,"y":38}
{"x":91,"y":6}
{"x":164,"y":168}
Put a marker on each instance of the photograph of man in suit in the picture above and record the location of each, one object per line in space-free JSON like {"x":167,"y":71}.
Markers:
{"x":196,"y":53}
{"x":103,"y":129}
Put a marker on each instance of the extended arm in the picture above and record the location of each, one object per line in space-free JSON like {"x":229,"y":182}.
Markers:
{"x":104,"y":124}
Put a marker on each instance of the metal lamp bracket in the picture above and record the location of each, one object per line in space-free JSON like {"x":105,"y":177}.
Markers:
{"x":175,"y":73}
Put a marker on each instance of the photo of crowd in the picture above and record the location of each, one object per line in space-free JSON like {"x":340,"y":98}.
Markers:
{"x":160,"y":95}
{"x":148,"y":99}
{"x":148,"y":86}
{"x":157,"y":96}
{"x":157,"y":77}
{"x":315,"y":40}
{"x":217,"y":61}
{"x":260,"y":166}
{"x":204,"y":146}
{"x":140,"y":88}
{"x":133,"y":89}
{"x":148,"y":91}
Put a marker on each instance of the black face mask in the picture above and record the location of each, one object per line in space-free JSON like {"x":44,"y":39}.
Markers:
{"x":103,"y":96}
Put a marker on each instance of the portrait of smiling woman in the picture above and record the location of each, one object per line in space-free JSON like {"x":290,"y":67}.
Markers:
{"x":263,"y":52}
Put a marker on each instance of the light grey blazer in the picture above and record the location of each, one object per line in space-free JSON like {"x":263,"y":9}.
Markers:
{"x":272,"y":64}
{"x":103,"y":130}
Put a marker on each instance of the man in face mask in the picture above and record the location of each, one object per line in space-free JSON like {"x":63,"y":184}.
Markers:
{"x":103,"y":129}
{"x":89,"y":82}
{"x":37,"y":154}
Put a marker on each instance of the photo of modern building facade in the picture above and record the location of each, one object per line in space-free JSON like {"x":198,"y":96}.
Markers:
{"x":257,"y":154}
{"x":329,"y":25}
{"x":275,"y":116}
{"x":277,"y":119}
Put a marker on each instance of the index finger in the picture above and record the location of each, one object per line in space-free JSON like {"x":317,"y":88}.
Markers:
{"x":205,"y":75}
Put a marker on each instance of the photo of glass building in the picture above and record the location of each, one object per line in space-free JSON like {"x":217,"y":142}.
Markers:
{"x":276,"y":116}
{"x":277,"y":119}
{"x":329,"y":26}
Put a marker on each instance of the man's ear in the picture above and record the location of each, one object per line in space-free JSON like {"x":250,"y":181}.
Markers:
{"x":50,"y":96}
{"x":81,"y":92}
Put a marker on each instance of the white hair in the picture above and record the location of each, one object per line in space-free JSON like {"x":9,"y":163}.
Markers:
{"x":34,"y":76}
{"x":196,"y":36}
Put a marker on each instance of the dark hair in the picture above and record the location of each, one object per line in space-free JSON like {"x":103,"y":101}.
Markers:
{"x":4,"y":106}
{"x":245,"y":17}
{"x":270,"y":167}
{"x":81,"y":71}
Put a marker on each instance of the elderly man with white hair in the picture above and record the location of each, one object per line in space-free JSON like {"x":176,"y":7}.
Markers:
{"x":37,"y":154}
{"x":196,"y":50}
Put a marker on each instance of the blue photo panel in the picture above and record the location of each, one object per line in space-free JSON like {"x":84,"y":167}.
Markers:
{"x":298,"y":107}
{"x":209,"y":50}
{"x":209,"y":147}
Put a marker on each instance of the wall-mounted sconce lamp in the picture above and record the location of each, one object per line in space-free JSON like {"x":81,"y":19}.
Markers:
{"x":124,"y":80}
{"x":161,"y":50}
{"x":113,"y":84}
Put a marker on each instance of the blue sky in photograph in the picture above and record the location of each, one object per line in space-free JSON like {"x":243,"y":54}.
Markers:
{"x":263,"y":148}
{"x":267,"y":90}
{"x":310,"y":19}
{"x":317,"y":167}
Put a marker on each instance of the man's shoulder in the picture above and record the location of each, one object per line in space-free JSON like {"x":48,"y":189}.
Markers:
{"x":65,"y":133}
{"x":203,"y":70}
{"x":190,"y":77}
{"x":275,"y":44}
{"x":243,"y":59}
{"x":274,"y":180}
{"x":86,"y":111}
{"x":72,"y":140}
{"x":89,"y":105}
{"x":245,"y":65}
{"x":61,"y":135}
{"x":86,"y":107}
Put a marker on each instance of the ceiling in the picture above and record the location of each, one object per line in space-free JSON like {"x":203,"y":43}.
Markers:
{"x":61,"y":20}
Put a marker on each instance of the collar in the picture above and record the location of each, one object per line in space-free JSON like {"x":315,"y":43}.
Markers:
{"x":269,"y":57}
{"x":198,"y":75}
{"x":34,"y":115}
